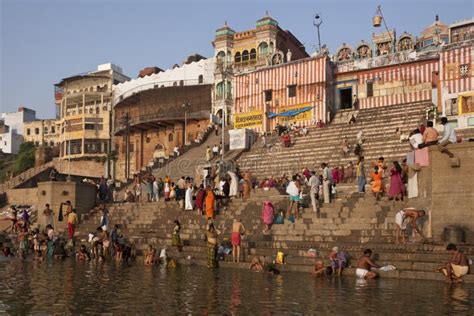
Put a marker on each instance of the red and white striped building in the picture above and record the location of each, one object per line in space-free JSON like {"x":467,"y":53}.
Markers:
{"x":392,"y":85}
{"x":309,"y":78}
{"x":456,"y":69}
{"x":430,"y":77}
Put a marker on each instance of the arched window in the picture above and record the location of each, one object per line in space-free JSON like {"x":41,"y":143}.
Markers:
{"x":220,"y":90}
{"x":253,"y":54}
{"x":245,"y":55}
{"x":220,"y":56}
{"x":262,"y":49}
{"x":237,"y":57}
{"x":170,"y":137}
{"x":175,"y":84}
{"x":200,"y":79}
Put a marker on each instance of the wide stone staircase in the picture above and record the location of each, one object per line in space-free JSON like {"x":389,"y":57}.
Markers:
{"x":352,"y":222}
{"x":187,"y":163}
{"x":325,"y":144}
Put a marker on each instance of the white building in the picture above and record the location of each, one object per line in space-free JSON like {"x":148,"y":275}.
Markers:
{"x":194,"y":73}
{"x":12,"y":129}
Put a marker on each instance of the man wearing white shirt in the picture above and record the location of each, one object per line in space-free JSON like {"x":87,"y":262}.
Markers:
{"x":449,"y":137}
{"x":313,"y":183}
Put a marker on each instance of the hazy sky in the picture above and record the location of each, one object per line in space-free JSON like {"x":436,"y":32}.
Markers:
{"x":43,"y":41}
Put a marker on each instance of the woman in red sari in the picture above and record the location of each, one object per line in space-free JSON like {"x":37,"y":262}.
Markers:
{"x":396,"y":184}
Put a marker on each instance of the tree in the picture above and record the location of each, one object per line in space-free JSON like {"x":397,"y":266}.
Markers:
{"x":25,"y":158}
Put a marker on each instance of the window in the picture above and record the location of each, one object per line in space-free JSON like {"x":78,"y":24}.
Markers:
{"x":370,"y":89}
{"x":262,"y":50}
{"x":97,"y":110}
{"x":238,"y":57}
{"x":470,"y":121}
{"x":464,"y":70}
{"x":28,"y":131}
{"x":45,"y":130}
{"x":90,"y":126}
{"x":181,"y":83}
{"x":175,"y":84}
{"x":37,"y":131}
{"x":245,"y":55}
{"x":220,"y":56}
{"x":170,"y":137}
{"x":268,"y":95}
{"x":292,"y":91}
{"x":253,"y":54}
{"x":200,"y":79}
{"x":53,"y":129}
{"x":37,"y":144}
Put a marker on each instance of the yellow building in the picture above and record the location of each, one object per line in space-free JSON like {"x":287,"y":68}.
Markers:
{"x":85,"y":110}
{"x":43,"y":132}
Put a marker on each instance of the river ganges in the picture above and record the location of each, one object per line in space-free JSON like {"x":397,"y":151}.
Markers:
{"x":70,"y":287}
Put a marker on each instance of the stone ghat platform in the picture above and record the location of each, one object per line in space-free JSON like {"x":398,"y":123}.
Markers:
{"x":353,"y":222}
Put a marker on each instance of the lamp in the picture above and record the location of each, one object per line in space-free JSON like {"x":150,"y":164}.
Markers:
{"x":377,"y":19}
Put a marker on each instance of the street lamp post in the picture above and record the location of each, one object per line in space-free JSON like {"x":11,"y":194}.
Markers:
{"x":317,"y":21}
{"x":377,"y":20}
{"x":185,"y":106}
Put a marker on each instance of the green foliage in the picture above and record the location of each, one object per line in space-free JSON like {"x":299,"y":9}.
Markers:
{"x":25,"y":158}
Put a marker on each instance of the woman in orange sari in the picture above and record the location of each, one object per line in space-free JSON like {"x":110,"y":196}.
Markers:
{"x":376,"y":184}
{"x":247,"y":185}
{"x":210,"y":199}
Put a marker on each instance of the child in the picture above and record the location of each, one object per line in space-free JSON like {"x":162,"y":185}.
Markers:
{"x":23,"y":242}
{"x":150,"y":256}
{"x":83,"y":254}
{"x":319,"y":268}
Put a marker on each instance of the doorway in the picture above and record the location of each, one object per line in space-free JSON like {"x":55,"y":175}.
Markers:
{"x":345,"y":95}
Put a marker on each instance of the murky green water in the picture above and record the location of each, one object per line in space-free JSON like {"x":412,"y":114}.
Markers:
{"x":71,"y":287}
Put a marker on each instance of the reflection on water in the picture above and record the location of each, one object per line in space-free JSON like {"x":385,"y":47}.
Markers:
{"x":74,"y":287}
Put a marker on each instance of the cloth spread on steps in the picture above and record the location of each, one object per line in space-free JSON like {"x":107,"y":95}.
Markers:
{"x":413,"y":186}
{"x":422,"y":157}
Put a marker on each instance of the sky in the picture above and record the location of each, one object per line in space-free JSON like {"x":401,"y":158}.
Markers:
{"x":43,"y":41}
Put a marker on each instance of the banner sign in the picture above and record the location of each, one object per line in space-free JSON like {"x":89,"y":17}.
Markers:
{"x":301,"y":110}
{"x":248,"y":120}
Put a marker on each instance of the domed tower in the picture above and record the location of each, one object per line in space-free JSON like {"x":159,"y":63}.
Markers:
{"x":223,"y":43}
{"x":433,"y":35}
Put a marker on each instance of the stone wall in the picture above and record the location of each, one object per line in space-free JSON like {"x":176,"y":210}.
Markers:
{"x":26,"y":196}
{"x":81,"y":195}
{"x":92,"y":168}
{"x":448,"y":192}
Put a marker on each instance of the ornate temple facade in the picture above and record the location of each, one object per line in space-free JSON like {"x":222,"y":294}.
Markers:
{"x":389,"y":70}
{"x":239,"y":52}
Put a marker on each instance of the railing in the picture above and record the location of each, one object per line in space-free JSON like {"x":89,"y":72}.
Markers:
{"x":24,"y":176}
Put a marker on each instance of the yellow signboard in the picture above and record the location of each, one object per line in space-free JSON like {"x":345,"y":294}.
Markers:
{"x":305,"y":116}
{"x":248,"y":120}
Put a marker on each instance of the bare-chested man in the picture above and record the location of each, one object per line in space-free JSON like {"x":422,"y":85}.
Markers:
{"x":405,"y":216}
{"x":364,"y":264}
{"x":457,"y":267}
{"x":237,"y":230}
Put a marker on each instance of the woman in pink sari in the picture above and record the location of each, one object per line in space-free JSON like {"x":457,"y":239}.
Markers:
{"x":396,"y":184}
{"x":267,"y":214}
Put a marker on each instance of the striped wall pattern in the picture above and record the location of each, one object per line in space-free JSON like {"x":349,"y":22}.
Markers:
{"x":414,"y":74}
{"x":450,"y":61}
{"x":309,"y":76}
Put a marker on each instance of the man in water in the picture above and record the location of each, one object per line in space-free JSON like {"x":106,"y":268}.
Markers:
{"x":409,"y":215}
{"x":457,"y":267}
{"x":364,"y":263}
{"x":237,"y":230}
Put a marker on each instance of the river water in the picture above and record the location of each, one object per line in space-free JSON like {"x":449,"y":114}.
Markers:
{"x":70,"y":287}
